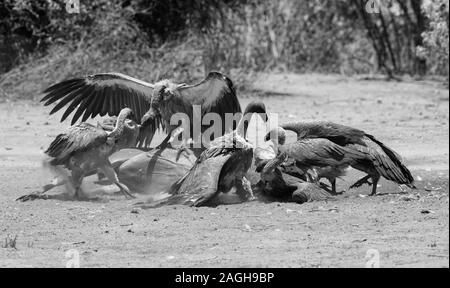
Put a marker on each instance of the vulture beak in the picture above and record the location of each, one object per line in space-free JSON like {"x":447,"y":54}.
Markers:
{"x":132,"y":117}
{"x":267,"y":137}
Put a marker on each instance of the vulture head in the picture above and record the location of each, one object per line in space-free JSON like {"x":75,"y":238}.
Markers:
{"x":253,"y":107}
{"x":277,"y":134}
{"x":125,"y":115}
{"x":157,"y":98}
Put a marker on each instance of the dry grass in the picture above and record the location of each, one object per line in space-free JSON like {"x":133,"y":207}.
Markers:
{"x":180,"y":61}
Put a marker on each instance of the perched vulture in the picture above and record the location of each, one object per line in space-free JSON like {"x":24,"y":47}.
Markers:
{"x":316,"y":157}
{"x":362,"y":151}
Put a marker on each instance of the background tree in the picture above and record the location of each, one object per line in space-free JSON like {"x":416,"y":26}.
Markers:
{"x":41,"y":43}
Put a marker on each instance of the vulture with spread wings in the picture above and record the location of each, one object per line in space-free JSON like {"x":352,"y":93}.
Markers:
{"x":153,"y":104}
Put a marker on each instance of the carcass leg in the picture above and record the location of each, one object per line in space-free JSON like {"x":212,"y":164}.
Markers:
{"x":112,"y":176}
{"x":244,"y":189}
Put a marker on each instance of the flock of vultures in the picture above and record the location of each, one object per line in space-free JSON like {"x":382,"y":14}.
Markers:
{"x":118,"y":150}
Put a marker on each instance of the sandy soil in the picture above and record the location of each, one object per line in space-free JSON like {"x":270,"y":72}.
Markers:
{"x":407,"y":230}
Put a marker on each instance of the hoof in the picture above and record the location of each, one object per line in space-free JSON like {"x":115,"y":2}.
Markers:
{"x":299,"y":197}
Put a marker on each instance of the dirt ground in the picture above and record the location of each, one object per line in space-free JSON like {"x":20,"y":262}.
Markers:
{"x":406,"y":230}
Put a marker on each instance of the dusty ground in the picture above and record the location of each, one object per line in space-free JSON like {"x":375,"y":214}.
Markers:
{"x":407,"y":230}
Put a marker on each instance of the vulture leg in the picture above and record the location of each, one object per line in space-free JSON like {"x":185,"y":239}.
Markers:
{"x":312,"y":175}
{"x":333,"y":187}
{"x":331,"y":190}
{"x":244,"y":189}
{"x":112,"y":176}
{"x":173,"y":133}
{"x":324,"y":186}
{"x":362,"y":181}
{"x":163,"y":145}
{"x":184,"y":147}
{"x":77,"y":179}
{"x":375,"y":180}
{"x":57,"y":181}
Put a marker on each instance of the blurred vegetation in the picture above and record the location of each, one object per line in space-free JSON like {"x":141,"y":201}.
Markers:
{"x":41,"y":43}
{"x":435,"y":38}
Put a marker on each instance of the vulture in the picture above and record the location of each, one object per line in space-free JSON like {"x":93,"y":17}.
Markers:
{"x":316,"y":157}
{"x":153,"y":104}
{"x":362,"y":151}
{"x":219,"y":168}
{"x":83,"y":148}
{"x":130,"y":132}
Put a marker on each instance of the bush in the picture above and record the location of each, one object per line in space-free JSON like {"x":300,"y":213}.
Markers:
{"x":435,"y":39}
{"x":40,"y":43}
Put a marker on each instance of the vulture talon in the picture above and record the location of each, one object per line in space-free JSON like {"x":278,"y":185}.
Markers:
{"x":128,"y":195}
{"x":185,"y":151}
{"x":361,"y":182}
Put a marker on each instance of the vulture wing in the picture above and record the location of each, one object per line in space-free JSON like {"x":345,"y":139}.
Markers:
{"x":102,"y":94}
{"x":201,"y":183}
{"x":385,"y":161}
{"x":197,"y":186}
{"x":337,"y":133}
{"x":216,"y":93}
{"x":78,"y":138}
{"x":315,"y":152}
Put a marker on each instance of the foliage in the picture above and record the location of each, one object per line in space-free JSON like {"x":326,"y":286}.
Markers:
{"x":435,"y":46}
{"x":40,"y":43}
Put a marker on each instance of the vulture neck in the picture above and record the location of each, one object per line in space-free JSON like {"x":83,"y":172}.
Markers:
{"x":120,"y":124}
{"x":281,"y":136}
{"x":242,"y":127}
{"x":247,"y":116}
{"x":274,"y":163}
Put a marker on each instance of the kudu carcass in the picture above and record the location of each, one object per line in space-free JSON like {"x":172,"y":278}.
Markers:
{"x":150,"y":172}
